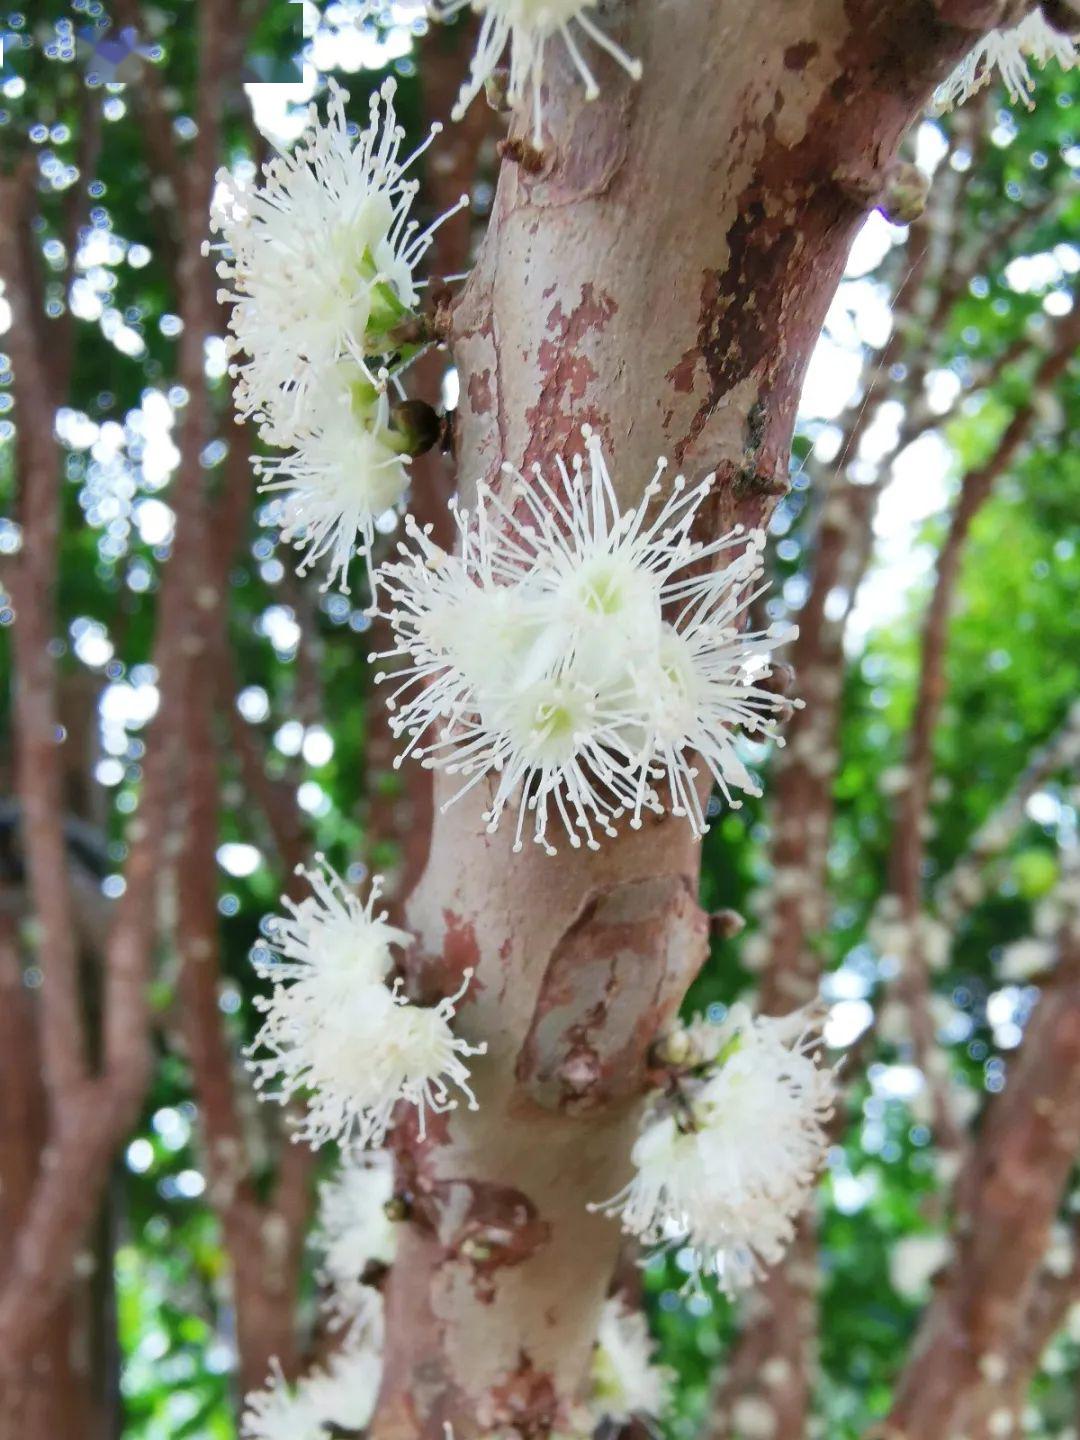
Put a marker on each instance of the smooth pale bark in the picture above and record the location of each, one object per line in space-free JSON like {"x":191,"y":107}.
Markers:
{"x":664,"y":278}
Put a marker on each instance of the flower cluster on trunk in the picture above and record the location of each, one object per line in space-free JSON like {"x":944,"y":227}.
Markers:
{"x":576,"y":661}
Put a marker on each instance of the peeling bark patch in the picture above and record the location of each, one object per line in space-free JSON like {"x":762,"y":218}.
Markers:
{"x":486,"y":1225}
{"x":483,"y":1224}
{"x":789,"y":237}
{"x":412,"y":1157}
{"x":461,"y":951}
{"x":613,"y":981}
{"x":737,"y":338}
{"x":480,"y":394}
{"x":525,"y":1400}
{"x":682,"y":375}
{"x":566,"y":373}
{"x":797,"y":57}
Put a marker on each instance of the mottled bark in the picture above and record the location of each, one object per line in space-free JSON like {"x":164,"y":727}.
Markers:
{"x":663,"y":278}
{"x":1007,"y":1199}
{"x":1004,"y":1391}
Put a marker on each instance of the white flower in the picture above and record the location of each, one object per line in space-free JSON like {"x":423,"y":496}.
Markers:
{"x":689,"y":1045}
{"x":320,"y":260}
{"x":527,"y":26}
{"x":754,"y":1418}
{"x":935,"y":941}
{"x":333,"y":934}
{"x":1060,"y":1254}
{"x":343,"y":1395}
{"x":280,"y":1412}
{"x":339,"y":1397}
{"x":913,"y":1262}
{"x":702,"y":693}
{"x":346,"y":471}
{"x":1008,"y":52}
{"x":625,"y":1380}
{"x":578,"y":657}
{"x":355,"y":1232}
{"x":727,"y":1171}
{"x":337,"y":1032}
{"x":1025,"y":959}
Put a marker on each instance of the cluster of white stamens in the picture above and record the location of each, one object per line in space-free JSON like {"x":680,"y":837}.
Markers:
{"x":346,"y":471}
{"x":1007,"y":52}
{"x":579,"y":657}
{"x":337,"y":1031}
{"x":527,"y":26}
{"x":726,"y":1169}
{"x":626,"y":1383}
{"x":320,"y":264}
{"x":339,"y":1397}
{"x":354,"y":1234}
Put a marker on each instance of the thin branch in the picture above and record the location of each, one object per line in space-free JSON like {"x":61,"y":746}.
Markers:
{"x":908,"y":850}
{"x":76,"y":214}
{"x":231,"y":1190}
{"x":1008,"y":1196}
{"x":96,"y":1114}
{"x":964,"y":885}
{"x":166,"y":161}
{"x":39,"y":759}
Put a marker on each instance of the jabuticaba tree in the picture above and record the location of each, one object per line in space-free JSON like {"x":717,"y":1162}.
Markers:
{"x":661,"y":274}
{"x":490,"y":1064}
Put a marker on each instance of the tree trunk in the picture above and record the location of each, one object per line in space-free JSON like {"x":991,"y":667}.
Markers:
{"x":57,"y":1390}
{"x":1007,"y":1200}
{"x":664,"y":279}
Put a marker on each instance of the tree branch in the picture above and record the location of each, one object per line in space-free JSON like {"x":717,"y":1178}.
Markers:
{"x":1008,"y":1196}
{"x":97,"y":1113}
{"x":908,"y":850}
{"x":39,"y":760}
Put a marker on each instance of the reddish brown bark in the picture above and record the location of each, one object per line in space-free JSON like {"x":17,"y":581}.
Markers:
{"x":39,"y":758}
{"x":45,"y":1063}
{"x":56,"y":1395}
{"x":663,"y":278}
{"x":263,"y":1238}
{"x":1004,"y":1391}
{"x":263,"y":1234}
{"x":1007,"y":1199}
{"x":96,"y":1110}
